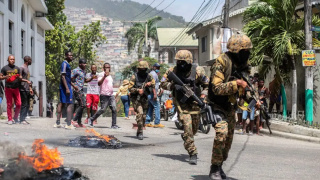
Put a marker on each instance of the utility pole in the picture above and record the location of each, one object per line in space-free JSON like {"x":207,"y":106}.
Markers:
{"x":226,"y":14}
{"x":309,"y":70}
{"x":225,"y":26}
{"x":146,"y":41}
{"x":146,"y":33}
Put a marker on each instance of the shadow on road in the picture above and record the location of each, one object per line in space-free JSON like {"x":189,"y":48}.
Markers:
{"x":181,"y":157}
{"x":135,"y":137}
{"x":206,"y":177}
{"x":102,"y":127}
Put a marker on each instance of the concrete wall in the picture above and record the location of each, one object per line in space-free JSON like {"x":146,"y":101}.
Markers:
{"x":207,"y":55}
{"x":316,"y":90}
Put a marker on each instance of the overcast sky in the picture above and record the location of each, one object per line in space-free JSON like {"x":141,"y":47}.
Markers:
{"x":184,"y":8}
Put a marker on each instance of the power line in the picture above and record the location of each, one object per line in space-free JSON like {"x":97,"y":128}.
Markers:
{"x":199,"y":18}
{"x":205,"y":15}
{"x":164,"y":8}
{"x":208,"y":11}
{"x":144,"y":10}
{"x":235,"y":4}
{"x":152,"y":9}
{"x":200,"y":9}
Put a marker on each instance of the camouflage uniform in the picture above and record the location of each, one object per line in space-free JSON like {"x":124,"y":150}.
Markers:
{"x":224,"y":87}
{"x":31,"y":99}
{"x":188,"y":112}
{"x":140,"y":106}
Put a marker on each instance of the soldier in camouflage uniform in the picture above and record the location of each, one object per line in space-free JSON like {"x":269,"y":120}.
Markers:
{"x":194,"y":77}
{"x":223,"y":90}
{"x":141,"y":84}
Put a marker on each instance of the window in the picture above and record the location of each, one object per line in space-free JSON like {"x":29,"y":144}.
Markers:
{"x":10,"y":5}
{"x":204,"y":44}
{"x":22,"y":43}
{"x":32,"y":47}
{"x":40,"y":31}
{"x":22,"y":13}
{"x":32,"y":54}
{"x":31,"y":24}
{"x":10,"y":38}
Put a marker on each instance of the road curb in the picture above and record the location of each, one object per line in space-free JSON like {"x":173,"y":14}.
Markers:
{"x":291,"y":136}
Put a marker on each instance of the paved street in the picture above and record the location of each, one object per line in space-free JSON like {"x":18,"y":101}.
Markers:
{"x":161,"y":154}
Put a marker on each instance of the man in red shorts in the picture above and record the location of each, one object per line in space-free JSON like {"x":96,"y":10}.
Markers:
{"x":93,"y":91}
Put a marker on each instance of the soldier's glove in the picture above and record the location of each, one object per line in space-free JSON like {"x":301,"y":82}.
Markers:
{"x":169,"y":86}
{"x":204,"y":100}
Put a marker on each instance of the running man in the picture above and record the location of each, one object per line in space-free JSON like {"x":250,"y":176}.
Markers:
{"x":77,"y":77}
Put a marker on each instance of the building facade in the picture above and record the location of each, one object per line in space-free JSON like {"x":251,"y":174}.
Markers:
{"x":22,"y":32}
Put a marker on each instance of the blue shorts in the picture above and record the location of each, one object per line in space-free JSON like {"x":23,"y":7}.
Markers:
{"x":64,"y":98}
{"x":245,"y":114}
{"x":0,"y":100}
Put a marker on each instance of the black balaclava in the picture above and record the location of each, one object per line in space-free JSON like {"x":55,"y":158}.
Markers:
{"x":183,"y":67}
{"x":241,"y":58}
{"x":142,"y":72}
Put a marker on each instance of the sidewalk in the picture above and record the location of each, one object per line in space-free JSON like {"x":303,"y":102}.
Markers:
{"x":286,"y":130}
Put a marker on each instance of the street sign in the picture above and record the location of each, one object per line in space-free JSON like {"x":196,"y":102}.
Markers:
{"x":308,"y":58}
{"x":315,"y":28}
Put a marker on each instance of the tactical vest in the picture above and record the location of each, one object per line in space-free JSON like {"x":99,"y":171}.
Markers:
{"x":222,"y":101}
{"x":189,"y":82}
{"x":139,"y":82}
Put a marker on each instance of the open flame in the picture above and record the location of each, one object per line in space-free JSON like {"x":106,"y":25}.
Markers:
{"x":44,"y":158}
{"x":92,"y":131}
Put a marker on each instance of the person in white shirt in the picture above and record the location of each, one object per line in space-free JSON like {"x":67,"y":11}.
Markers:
{"x":92,"y":91}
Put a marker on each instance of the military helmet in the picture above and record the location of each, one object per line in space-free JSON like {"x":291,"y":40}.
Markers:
{"x":238,"y":42}
{"x":143,"y":65}
{"x":184,"y":55}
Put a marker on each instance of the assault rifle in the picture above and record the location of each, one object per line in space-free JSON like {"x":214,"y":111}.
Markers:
{"x":254,"y":99}
{"x":145,"y":89}
{"x":188,"y":93}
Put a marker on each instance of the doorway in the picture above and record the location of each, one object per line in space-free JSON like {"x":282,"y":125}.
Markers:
{"x":40,"y":99}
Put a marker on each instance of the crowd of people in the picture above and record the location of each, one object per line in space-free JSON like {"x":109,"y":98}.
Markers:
{"x":99,"y":89}
{"x":253,"y":116}
{"x":186,"y":83}
{"x":18,"y":89}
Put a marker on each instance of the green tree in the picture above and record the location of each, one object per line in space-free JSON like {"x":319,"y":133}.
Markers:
{"x":276,"y":31}
{"x":128,"y":71}
{"x":136,"y":34}
{"x":62,"y":38}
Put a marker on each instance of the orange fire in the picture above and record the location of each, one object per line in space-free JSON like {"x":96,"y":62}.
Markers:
{"x":44,"y":158}
{"x":92,"y":131}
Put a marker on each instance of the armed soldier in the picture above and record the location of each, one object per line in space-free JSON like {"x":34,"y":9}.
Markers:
{"x":140,"y":86}
{"x":223,"y":90}
{"x":193,"y":77}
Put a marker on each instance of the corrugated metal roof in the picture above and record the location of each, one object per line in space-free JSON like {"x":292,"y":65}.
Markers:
{"x":175,"y":37}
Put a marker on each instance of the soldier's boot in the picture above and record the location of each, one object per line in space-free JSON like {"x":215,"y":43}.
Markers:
{"x":215,"y":173}
{"x":140,"y":136}
{"x":193,"y":159}
{"x":223,"y":175}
